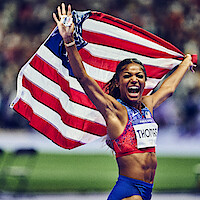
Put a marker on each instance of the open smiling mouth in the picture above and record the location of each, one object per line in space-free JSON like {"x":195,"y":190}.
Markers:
{"x":133,"y":89}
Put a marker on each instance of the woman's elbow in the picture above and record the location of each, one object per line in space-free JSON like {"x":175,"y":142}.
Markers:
{"x":169,"y":91}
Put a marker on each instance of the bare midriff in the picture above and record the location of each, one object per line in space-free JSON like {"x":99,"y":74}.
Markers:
{"x":140,"y":166}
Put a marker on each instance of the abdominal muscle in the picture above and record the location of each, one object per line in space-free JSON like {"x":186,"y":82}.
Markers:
{"x":140,"y":166}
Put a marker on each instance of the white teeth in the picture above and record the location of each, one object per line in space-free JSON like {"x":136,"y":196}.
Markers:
{"x":133,"y":87}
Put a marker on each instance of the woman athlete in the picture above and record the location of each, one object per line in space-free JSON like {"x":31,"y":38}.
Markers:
{"x":131,"y":129}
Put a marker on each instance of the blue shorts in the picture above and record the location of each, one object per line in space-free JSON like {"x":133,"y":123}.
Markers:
{"x":127,"y":187}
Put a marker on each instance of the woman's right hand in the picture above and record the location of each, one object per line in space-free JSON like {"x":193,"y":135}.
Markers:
{"x":65,"y":31}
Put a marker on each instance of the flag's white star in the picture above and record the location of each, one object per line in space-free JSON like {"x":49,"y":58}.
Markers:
{"x":65,"y":54}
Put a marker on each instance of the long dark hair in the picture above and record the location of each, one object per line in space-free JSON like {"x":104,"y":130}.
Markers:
{"x":110,"y":87}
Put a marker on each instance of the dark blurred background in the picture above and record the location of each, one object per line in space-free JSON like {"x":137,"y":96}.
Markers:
{"x":25,"y":24}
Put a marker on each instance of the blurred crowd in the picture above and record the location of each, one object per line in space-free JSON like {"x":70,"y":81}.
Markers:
{"x":25,"y":24}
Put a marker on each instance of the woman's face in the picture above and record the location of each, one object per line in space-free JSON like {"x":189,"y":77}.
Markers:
{"x":131,"y":83}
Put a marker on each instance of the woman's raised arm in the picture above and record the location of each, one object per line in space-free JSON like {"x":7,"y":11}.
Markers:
{"x":100,"y":99}
{"x":169,"y":86}
{"x":67,"y":34}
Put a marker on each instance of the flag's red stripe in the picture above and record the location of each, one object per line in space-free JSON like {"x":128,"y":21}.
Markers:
{"x":155,"y":72}
{"x":109,"y":65}
{"x":51,"y":73}
{"x":68,"y":119}
{"x":106,"y":40}
{"x":132,"y":29}
{"x":101,"y":63}
{"x":81,"y":98}
{"x":44,"y":127}
{"x":146,"y":91}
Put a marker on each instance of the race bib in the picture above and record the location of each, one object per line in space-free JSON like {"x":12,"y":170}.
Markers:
{"x":146,"y":134}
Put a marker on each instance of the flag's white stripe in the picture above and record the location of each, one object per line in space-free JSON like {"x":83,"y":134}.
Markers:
{"x":108,"y":29}
{"x":118,"y":55}
{"x":74,"y":84}
{"x":19,"y":83}
{"x":52,"y":88}
{"x":54,"y":119}
{"x":151,"y":83}
{"x":98,"y":74}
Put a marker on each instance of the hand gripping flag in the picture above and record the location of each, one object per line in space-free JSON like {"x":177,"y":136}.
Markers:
{"x":50,"y":97}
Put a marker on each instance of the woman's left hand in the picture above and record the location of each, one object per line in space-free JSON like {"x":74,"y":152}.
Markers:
{"x":188,"y":61}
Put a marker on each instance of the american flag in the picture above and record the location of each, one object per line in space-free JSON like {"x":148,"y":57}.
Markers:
{"x":50,"y":97}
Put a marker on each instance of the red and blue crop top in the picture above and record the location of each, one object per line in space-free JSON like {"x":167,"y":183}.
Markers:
{"x":139,"y":135}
